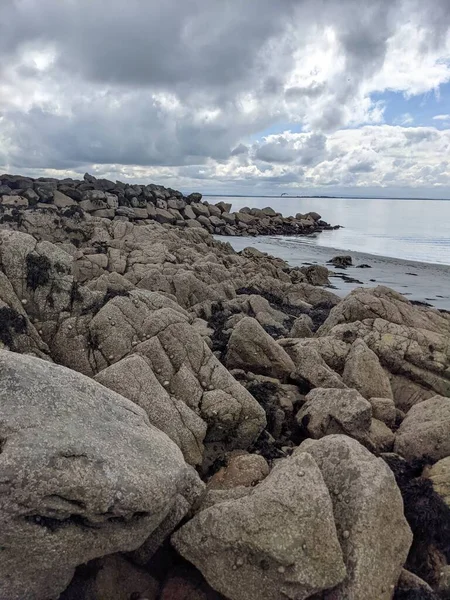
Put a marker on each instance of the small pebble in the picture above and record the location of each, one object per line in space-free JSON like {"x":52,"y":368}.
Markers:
{"x":346,"y":535}
{"x":109,"y":318}
{"x":210,"y":387}
{"x":281,"y":569}
{"x":304,"y":546}
{"x":204,"y":384}
{"x":239,"y":562}
{"x":40,"y":332}
{"x":24,"y":301}
{"x":69,"y":327}
{"x":113,"y":323}
{"x":134,"y":343}
{"x":302,"y":473}
{"x":166,"y":383}
{"x":111,"y":357}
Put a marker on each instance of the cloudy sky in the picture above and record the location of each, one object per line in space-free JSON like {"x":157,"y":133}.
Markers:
{"x":230,"y":96}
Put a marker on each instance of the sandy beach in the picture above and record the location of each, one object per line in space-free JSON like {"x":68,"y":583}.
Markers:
{"x":418,"y":281}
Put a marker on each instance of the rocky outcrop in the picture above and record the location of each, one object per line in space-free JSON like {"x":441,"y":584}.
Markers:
{"x":367,"y":508}
{"x":22,"y":197}
{"x":278,"y":540}
{"x":425,"y":432}
{"x":76,"y":458}
{"x":186,"y":353}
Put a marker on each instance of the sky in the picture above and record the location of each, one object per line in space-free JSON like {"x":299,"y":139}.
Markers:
{"x":230,"y":96}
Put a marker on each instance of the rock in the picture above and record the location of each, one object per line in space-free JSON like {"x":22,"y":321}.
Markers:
{"x":62,"y":201}
{"x":112,"y":201}
{"x":310,"y":367}
{"x":380,"y":438}
{"x":316,"y":275}
{"x":189,"y":213}
{"x":252,"y":349}
{"x":200,"y":209}
{"x":5,"y":190}
{"x":228,"y":218}
{"x":302,"y":327}
{"x":342,"y":262}
{"x":186,"y":583}
{"x":193,"y":223}
{"x":107,"y":213}
{"x":176,"y":203}
{"x":244,"y":218}
{"x":384,"y":410}
{"x":329,"y":411}
{"x":142,"y":213}
{"x":164,"y":216}
{"x":18,"y":201}
{"x":314,"y":216}
{"x":224,"y":207}
{"x":269,"y":212}
{"x":277,"y":541}
{"x":76,"y":456}
{"x":413,"y":587}
{"x":364,"y":372}
{"x":425,"y":431}
{"x":368,"y":511}
{"x":439,"y":474}
{"x":216,"y":222}
{"x":133,"y":378}
{"x":111,"y":578}
{"x":205,"y":222}
{"x":195,"y":197}
{"x":242,"y":470}
{"x":443,"y":587}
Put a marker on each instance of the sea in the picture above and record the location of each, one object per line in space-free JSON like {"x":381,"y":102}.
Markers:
{"x":417,"y":230}
{"x":402,"y":244}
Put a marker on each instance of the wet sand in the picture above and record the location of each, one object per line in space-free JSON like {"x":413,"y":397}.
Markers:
{"x":422,"y":282}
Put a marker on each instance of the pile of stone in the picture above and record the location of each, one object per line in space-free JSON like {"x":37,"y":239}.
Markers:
{"x":178,"y":420}
{"x":108,"y":200}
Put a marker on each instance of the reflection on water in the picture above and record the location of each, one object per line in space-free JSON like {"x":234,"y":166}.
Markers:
{"x":408,"y":229}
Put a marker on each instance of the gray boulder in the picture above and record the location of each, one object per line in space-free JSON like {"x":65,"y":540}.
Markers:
{"x":200,"y":209}
{"x":364,"y":372}
{"x":329,"y":411}
{"x":252,"y":349}
{"x":133,"y":378}
{"x":279,"y":541}
{"x":425,"y":431}
{"x":85,"y":474}
{"x":368,"y":510}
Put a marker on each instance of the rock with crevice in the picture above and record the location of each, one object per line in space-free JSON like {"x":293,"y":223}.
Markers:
{"x":252,"y":349}
{"x":368,"y":510}
{"x":364,"y":373}
{"x":280,"y":539}
{"x":76,"y":457}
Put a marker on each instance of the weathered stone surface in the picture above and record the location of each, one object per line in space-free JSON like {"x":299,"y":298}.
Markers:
{"x":244,"y":218}
{"x":440,"y":477}
{"x":302,"y":327}
{"x":75,"y":456}
{"x":364,"y":372}
{"x":164,"y":216}
{"x":200,"y":209}
{"x":310,"y":367}
{"x":329,"y":411}
{"x":62,"y":201}
{"x":18,"y":201}
{"x":425,"y":432}
{"x":316,"y":275}
{"x":133,"y":378}
{"x":278,"y":541}
{"x":242,"y":470}
{"x":368,"y":511}
{"x":252,"y":349}
{"x":384,"y":410}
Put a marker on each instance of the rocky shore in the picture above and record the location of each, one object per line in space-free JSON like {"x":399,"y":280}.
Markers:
{"x":108,"y":200}
{"x":181,"y":421}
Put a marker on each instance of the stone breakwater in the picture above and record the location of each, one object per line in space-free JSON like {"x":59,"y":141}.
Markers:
{"x":178,"y":420}
{"x":109,"y":200}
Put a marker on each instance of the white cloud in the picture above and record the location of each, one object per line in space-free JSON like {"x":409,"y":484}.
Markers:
{"x":181,"y":91}
{"x":441,"y":118}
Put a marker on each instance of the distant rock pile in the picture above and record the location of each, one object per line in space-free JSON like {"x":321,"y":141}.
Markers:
{"x":108,"y":200}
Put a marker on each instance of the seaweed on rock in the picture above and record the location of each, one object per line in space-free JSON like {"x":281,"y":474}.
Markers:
{"x":38,"y":271}
{"x":11,"y":322}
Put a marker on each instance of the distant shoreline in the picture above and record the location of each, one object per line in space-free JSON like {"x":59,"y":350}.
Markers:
{"x":322,"y":197}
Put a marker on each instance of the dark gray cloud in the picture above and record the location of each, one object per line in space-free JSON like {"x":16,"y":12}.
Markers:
{"x":181,"y":84}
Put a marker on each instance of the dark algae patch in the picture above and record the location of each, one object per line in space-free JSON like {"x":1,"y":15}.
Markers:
{"x":11,"y":322}
{"x":38,"y":271}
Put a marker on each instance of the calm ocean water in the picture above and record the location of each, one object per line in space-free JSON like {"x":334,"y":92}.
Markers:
{"x":416,"y":230}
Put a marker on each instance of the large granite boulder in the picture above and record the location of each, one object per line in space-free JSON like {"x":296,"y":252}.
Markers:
{"x":82,"y":474}
{"x":368,"y":511}
{"x":364,"y":373}
{"x":425,"y":432}
{"x":277,"y":541}
{"x":252,"y":349}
